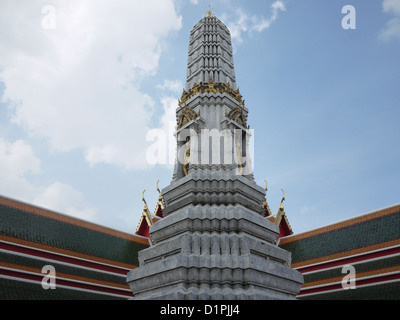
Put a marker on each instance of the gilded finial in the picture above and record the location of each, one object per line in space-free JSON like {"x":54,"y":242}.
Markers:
{"x":210,"y":12}
{"x":283,"y":199}
{"x":146,"y":214}
{"x":143,"y":199}
{"x":158,"y":189}
{"x":265,"y":203}
{"x":160,"y":197}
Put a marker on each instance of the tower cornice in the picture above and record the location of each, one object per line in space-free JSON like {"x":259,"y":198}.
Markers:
{"x":211,"y":87}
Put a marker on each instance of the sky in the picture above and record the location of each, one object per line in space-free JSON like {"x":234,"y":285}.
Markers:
{"x":83,"y":82}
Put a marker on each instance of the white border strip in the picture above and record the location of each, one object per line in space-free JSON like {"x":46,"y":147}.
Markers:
{"x":65,"y":279}
{"x":357,"y":286}
{"x":63,"y":255}
{"x":349,"y":257}
{"x":64,"y":287}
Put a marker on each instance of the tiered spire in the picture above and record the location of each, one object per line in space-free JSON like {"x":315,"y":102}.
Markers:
{"x":210,"y":53}
{"x":213,"y":241}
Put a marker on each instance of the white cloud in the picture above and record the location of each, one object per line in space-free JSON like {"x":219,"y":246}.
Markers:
{"x":392,"y":28}
{"x":238,"y":26}
{"x":391,"y":6}
{"x":245,"y":23}
{"x":67,"y":200}
{"x":78,"y":85}
{"x":168,"y":124}
{"x":163,"y":142}
{"x":175,"y":86}
{"x":266,"y":23}
{"x":17,"y":160}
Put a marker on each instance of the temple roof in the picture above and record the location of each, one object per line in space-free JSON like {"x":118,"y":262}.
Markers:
{"x":91,"y":261}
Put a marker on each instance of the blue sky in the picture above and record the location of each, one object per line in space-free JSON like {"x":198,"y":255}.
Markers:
{"x":79,"y":94}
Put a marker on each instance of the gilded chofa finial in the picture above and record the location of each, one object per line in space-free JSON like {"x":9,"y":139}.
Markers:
{"x":146,"y":214}
{"x":283,"y":199}
{"x":210,"y":12}
{"x":266,"y":185}
{"x":143,"y":199}
{"x":158,"y":189}
{"x":160,"y":197}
